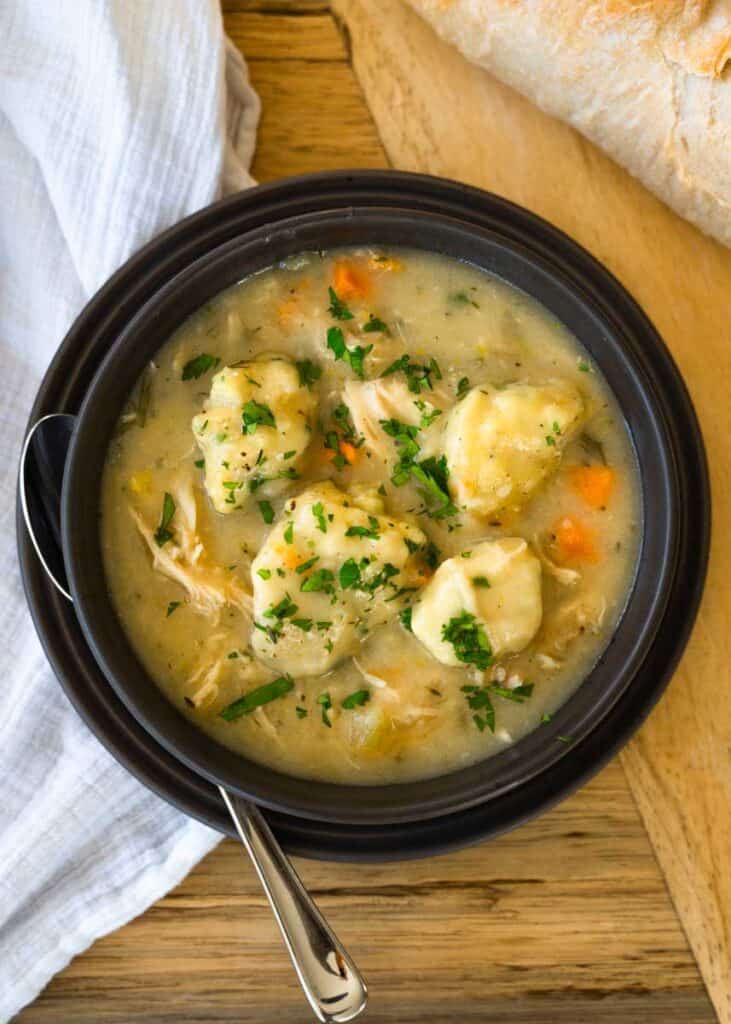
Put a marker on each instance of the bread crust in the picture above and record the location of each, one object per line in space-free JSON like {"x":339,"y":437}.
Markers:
{"x":647,"y":80}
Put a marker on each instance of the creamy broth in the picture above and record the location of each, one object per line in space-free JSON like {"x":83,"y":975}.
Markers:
{"x":474,"y":432}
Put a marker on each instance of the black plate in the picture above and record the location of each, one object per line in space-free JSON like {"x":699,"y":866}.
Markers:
{"x":684,"y":545}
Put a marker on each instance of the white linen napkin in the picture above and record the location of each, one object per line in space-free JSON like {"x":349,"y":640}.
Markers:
{"x":117,"y":118}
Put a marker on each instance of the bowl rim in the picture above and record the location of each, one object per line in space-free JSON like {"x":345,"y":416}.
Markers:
{"x":80,"y":591}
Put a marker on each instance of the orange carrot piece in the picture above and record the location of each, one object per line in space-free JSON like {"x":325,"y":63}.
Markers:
{"x":292,"y":558}
{"x":594,"y":484}
{"x":351,"y":281}
{"x":574,"y":540}
{"x":349,"y":452}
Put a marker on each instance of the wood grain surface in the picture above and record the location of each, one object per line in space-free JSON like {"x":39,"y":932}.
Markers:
{"x":569,"y":917}
{"x":437,"y":113}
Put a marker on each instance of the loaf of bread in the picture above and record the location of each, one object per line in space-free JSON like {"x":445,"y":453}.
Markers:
{"x":647,"y":80}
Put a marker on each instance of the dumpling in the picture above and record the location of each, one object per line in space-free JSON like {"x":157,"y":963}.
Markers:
{"x":478,"y":608}
{"x":253,"y":430}
{"x":329,"y":572}
{"x":501,"y":443}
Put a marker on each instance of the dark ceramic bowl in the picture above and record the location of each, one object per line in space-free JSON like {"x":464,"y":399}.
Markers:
{"x":179,"y":272}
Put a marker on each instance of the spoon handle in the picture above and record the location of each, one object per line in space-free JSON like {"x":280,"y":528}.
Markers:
{"x":330,"y":980}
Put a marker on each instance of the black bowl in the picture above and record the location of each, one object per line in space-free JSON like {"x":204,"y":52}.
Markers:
{"x":166,"y":282}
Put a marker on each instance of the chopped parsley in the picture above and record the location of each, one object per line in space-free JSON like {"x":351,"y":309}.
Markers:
{"x":173,"y":606}
{"x":256,"y":414}
{"x":431,"y":473}
{"x":256,"y":698}
{"x":518,"y":694}
{"x":375,"y":326}
{"x":463,"y":387}
{"x":309,"y":372}
{"x":304,"y":566}
{"x":267,"y":512}
{"x":300,"y":712}
{"x":584,"y":366}
{"x":337,"y":308}
{"x":405,"y":617}
{"x":481,"y":581}
{"x":320,"y":580}
{"x":370,"y":532}
{"x":199,"y":365}
{"x":289,"y":532}
{"x":304,"y":624}
{"x":319,"y":513}
{"x":199,"y":463}
{"x":427,"y":415}
{"x":356,"y":699}
{"x":349,"y":575}
{"x":325,"y":703}
{"x":163,"y":533}
{"x":418,"y":377}
{"x":264,"y":574}
{"x":478,"y":700}
{"x":354,"y":357}
{"x":469,"y":640}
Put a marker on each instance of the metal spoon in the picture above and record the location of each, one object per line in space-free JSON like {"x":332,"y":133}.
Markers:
{"x":330,"y":980}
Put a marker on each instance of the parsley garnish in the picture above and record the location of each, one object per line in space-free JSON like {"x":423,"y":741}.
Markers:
{"x":256,"y":414}
{"x":163,"y":534}
{"x":199,"y":463}
{"x":418,"y":377}
{"x":171,"y":608}
{"x":267,"y":512}
{"x":264,"y":574}
{"x":349,"y":574}
{"x":356,"y":699}
{"x":375,"y":325}
{"x":301,"y":712}
{"x":325,"y":703}
{"x":352,"y":356}
{"x":463,"y":387}
{"x":309,"y":372}
{"x":320,"y":580}
{"x":319,"y":513}
{"x":469,"y":640}
{"x":255,"y":698}
{"x":371,"y":531}
{"x":405,"y":617}
{"x":304,"y":624}
{"x":427,"y":416}
{"x":337,"y":308}
{"x":478,"y":700}
{"x":480,"y":581}
{"x":304,"y":566}
{"x":289,"y":532}
{"x":199,"y":365}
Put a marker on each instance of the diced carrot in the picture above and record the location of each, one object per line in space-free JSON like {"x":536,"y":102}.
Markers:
{"x":351,"y":281}
{"x":349,"y":452}
{"x":594,"y":483}
{"x":574,"y":540}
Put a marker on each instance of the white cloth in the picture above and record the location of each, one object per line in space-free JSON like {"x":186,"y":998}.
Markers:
{"x":117,"y":118}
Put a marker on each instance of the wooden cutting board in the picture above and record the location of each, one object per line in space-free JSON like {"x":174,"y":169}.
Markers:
{"x":437,"y":113}
{"x":569,"y":917}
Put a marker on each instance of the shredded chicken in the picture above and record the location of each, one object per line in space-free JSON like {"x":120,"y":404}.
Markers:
{"x":574,"y":618}
{"x":183,"y":559}
{"x":567,"y":577}
{"x":398,"y":709}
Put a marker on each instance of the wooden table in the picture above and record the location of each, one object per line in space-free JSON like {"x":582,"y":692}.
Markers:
{"x":569,"y":918}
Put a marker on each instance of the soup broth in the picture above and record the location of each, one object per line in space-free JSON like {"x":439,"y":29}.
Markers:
{"x":370,"y":516}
